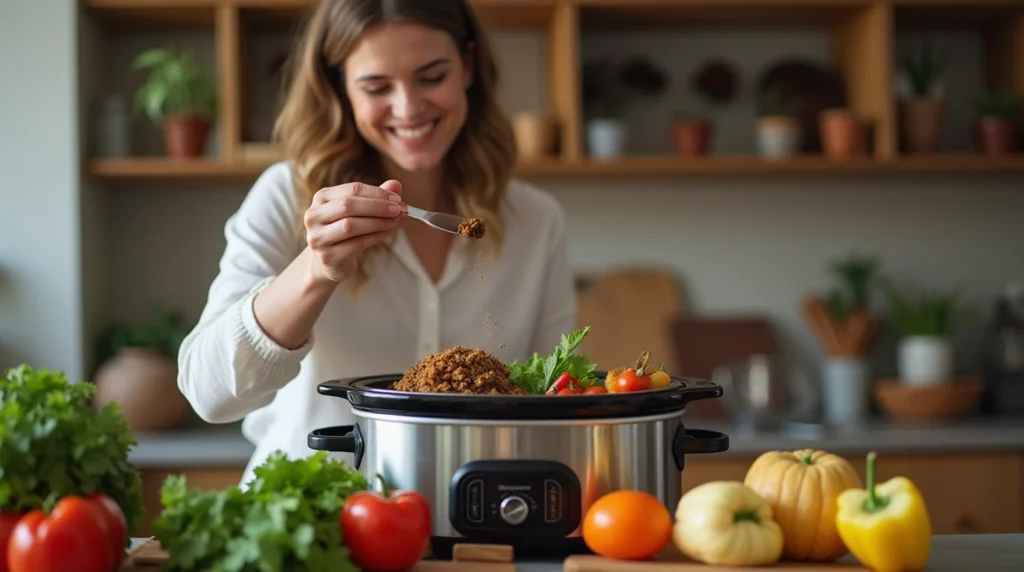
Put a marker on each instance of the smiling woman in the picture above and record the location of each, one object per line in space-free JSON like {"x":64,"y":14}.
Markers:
{"x":390,"y":104}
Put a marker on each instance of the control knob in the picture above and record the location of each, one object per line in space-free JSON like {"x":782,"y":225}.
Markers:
{"x":513,"y":510}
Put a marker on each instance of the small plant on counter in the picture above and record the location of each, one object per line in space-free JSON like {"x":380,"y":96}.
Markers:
{"x":925,"y":324}
{"x":997,"y":122}
{"x":138,"y":369}
{"x":179,"y":96}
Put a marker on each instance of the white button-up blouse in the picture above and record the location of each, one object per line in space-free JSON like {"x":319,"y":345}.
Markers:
{"x":510,"y":306}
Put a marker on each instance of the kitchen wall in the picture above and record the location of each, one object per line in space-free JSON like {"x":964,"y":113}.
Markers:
{"x":739,"y":245}
{"x":40,"y":263}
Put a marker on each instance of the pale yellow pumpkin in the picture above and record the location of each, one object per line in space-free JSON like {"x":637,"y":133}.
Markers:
{"x":802,"y":488}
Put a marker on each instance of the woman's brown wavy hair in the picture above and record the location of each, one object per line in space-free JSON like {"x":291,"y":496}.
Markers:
{"x":316,"y":127}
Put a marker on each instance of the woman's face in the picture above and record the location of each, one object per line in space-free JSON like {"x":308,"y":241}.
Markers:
{"x":407,"y":84}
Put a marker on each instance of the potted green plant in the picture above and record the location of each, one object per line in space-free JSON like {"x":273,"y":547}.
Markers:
{"x":608,"y":90}
{"x":925,"y":324}
{"x":691,"y":134}
{"x":779,"y":129}
{"x":923,"y":112}
{"x":139,"y":371}
{"x":997,"y":122}
{"x":178,"y":96}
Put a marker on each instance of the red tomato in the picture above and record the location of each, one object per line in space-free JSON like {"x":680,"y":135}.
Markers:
{"x":386,"y":532}
{"x":73,"y":537}
{"x":566,"y":391}
{"x":564,"y":381}
{"x":627,"y":525}
{"x":628,"y":380}
{"x":7,"y":524}
{"x":595,"y":389}
{"x":117,"y":528}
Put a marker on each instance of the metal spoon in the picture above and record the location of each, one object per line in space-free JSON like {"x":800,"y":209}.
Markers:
{"x":440,"y":221}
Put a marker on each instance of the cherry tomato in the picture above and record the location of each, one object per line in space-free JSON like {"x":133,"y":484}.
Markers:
{"x":628,"y":380}
{"x":7,"y":524}
{"x":595,"y":389}
{"x":567,"y":391}
{"x":627,"y":525}
{"x":566,"y":380}
{"x":386,"y":532}
{"x":72,"y":537}
{"x":660,"y":379}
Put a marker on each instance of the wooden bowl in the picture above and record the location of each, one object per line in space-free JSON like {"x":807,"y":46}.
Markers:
{"x":944,"y":401}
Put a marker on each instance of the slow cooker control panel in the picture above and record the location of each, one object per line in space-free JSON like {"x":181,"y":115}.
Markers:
{"x":514,"y":498}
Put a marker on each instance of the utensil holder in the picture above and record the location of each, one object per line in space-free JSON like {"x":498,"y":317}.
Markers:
{"x":845,"y":390}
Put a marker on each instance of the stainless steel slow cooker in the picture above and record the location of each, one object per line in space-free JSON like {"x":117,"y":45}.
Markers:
{"x":518,"y":470}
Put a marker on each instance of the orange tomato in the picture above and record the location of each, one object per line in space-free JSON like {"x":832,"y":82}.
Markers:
{"x":630,"y":381}
{"x":627,"y":525}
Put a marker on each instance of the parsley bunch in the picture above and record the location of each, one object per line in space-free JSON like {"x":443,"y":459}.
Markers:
{"x":53,"y":444}
{"x":287,"y":519}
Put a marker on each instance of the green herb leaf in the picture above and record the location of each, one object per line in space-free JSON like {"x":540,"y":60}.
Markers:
{"x":286,"y":519}
{"x":54,"y":443}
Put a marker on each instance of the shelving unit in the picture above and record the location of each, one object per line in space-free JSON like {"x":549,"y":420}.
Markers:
{"x":862,"y":36}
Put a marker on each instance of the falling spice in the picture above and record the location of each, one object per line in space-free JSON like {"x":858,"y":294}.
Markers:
{"x":473,"y":228}
{"x":478,"y":268}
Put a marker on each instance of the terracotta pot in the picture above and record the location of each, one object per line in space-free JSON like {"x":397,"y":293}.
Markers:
{"x":842,"y":133}
{"x":996,"y":135}
{"x":779,"y":136}
{"x":144,"y":383}
{"x":923,"y":119}
{"x":536,"y":135}
{"x":185,"y":135}
{"x":692,"y":139}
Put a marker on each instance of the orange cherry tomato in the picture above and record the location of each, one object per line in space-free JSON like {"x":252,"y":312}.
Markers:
{"x":628,"y":380}
{"x":627,"y":525}
{"x":595,"y":389}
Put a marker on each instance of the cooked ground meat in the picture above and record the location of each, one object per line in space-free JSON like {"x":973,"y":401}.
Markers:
{"x":459,"y":370}
{"x":472,"y":227}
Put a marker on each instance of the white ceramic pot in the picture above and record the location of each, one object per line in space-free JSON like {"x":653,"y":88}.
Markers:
{"x":779,"y":137}
{"x":845,"y":388}
{"x":606,"y":137}
{"x":925,"y":360}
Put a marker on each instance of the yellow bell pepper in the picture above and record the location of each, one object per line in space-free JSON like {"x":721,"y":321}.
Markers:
{"x":886,"y":526}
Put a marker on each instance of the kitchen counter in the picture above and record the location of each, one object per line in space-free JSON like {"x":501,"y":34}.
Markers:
{"x":988,"y":552}
{"x":224,"y":446}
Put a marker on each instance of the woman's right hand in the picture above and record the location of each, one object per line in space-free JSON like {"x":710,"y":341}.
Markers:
{"x":345,"y":220}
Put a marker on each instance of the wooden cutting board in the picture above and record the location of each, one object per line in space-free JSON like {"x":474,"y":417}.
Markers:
{"x":629,"y":311}
{"x":586,"y":563}
{"x":148,"y":556}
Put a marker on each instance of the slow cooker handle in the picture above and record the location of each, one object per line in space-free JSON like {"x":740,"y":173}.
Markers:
{"x":338,"y":439}
{"x":696,"y":441}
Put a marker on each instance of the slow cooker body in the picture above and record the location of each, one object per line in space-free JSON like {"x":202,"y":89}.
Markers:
{"x":525,"y":483}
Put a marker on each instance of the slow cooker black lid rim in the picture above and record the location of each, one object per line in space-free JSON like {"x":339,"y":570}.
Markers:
{"x":364,"y":393}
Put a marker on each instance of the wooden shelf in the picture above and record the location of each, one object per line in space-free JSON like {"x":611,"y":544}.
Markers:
{"x":862,"y":35}
{"x":156,"y":169}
